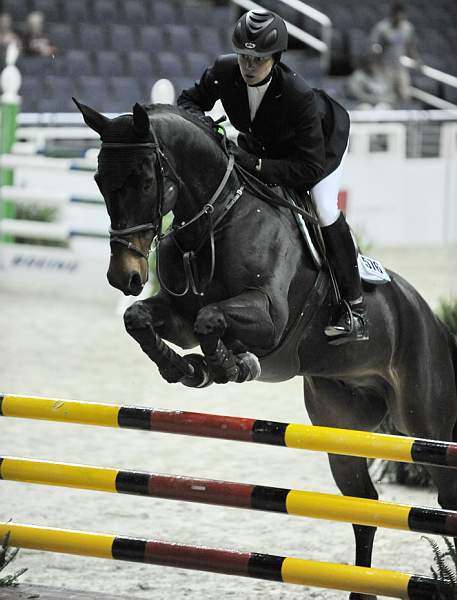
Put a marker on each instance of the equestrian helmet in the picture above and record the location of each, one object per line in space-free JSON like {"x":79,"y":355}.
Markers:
{"x":260,"y":33}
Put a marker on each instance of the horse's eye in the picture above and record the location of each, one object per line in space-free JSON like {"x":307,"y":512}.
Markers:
{"x":147,"y":184}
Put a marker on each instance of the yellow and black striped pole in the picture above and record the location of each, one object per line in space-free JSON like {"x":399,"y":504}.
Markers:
{"x":306,"y":437}
{"x":247,"y":564}
{"x":360,"y":511}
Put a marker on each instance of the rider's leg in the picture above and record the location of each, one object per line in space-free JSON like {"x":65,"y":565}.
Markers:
{"x":343,"y":258}
{"x":352,"y":323}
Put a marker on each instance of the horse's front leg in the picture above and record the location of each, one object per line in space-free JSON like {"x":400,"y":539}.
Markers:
{"x":148,"y":321}
{"x":228,"y":328}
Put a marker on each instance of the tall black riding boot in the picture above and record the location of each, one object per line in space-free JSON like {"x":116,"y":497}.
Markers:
{"x":350,"y":323}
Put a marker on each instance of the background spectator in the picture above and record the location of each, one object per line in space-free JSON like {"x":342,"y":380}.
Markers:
{"x":35,"y":41}
{"x":392,"y":38}
{"x":7,"y":35}
{"x":369,"y":85}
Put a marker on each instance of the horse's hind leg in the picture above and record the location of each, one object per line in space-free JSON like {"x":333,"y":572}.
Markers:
{"x":332,"y":404}
{"x":433,"y":414}
{"x":353,"y":479}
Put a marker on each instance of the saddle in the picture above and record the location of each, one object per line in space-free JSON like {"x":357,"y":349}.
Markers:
{"x":370,"y":269}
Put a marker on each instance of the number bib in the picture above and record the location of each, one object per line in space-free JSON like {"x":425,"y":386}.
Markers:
{"x":371,"y":270}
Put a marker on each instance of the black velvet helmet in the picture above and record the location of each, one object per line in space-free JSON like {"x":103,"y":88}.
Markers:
{"x":260,"y":33}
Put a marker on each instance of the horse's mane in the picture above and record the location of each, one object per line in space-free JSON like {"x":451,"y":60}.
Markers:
{"x":153,"y":109}
{"x":127,"y":163}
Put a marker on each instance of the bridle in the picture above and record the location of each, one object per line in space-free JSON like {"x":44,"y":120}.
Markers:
{"x":118,"y":235}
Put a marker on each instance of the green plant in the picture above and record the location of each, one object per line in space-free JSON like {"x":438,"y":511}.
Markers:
{"x":447,"y":312}
{"x":444,"y":570}
{"x":6,"y":556}
{"x":36,"y":212}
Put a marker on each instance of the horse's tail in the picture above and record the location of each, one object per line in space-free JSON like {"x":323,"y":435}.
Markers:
{"x":449,"y":323}
{"x":452,"y":334}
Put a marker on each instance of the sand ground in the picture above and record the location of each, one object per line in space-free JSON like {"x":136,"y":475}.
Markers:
{"x":54,"y":346}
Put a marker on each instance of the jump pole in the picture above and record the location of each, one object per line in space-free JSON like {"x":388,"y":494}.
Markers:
{"x":306,"y":437}
{"x":246,"y":564}
{"x":360,"y":511}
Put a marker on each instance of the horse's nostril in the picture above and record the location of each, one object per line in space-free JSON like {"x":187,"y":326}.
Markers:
{"x":135,"y":281}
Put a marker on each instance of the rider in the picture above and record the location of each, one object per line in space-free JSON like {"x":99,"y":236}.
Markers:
{"x":292,"y":136}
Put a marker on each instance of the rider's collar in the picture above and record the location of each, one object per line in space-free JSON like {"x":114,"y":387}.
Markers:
{"x":264,"y":81}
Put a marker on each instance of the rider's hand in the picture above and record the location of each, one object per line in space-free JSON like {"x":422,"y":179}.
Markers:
{"x":245,"y":159}
{"x":208,"y":121}
{"x":214,"y":125}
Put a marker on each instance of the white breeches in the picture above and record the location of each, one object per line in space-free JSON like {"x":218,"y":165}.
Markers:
{"x":325,"y":196}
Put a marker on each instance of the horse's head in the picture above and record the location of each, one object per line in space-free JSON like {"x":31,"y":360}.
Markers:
{"x":132,"y":177}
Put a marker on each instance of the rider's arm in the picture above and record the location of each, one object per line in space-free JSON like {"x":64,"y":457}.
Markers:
{"x":202,"y":95}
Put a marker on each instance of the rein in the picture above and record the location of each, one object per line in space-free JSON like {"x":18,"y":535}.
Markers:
{"x":268,"y":195}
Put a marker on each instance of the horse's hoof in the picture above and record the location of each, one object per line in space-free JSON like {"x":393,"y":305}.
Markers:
{"x":171,"y":374}
{"x":200,"y":377}
{"x":249,"y":367}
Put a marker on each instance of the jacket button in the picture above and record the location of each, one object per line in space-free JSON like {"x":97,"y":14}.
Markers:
{"x":250,"y":129}
{"x":263,"y":148}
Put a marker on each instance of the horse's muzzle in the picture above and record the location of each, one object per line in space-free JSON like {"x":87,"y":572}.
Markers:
{"x":130,"y":282}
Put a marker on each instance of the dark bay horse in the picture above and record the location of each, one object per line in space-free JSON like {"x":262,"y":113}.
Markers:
{"x":237,"y":280}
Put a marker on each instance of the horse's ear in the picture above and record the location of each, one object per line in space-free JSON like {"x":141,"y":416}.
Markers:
{"x":141,"y":124}
{"x":92,"y":118}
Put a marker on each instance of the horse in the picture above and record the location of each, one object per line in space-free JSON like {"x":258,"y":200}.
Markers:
{"x":237,"y":279}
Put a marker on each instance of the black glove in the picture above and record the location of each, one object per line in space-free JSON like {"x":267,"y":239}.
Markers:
{"x":245,"y":159}
{"x":214,"y":125}
{"x":209,"y":121}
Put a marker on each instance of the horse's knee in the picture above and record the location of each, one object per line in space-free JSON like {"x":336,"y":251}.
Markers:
{"x":210,"y":321}
{"x":137,"y":316}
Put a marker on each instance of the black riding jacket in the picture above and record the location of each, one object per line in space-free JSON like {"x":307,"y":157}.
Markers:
{"x":299,"y":133}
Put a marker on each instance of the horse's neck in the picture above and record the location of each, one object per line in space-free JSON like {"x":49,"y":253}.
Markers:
{"x":198,"y":163}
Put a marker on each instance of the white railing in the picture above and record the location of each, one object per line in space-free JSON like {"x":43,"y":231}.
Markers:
{"x":405,"y":116}
{"x":434,"y":74}
{"x":320,"y":45}
{"x":394,"y":135}
{"x":35,"y":230}
{"x":12,"y":161}
{"x":25,"y":195}
{"x":431,"y":72}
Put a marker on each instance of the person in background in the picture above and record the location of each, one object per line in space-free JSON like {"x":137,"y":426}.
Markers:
{"x":369,"y":86}
{"x":35,"y":41}
{"x":290,"y":136}
{"x":7,"y":36}
{"x":392,"y":38}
